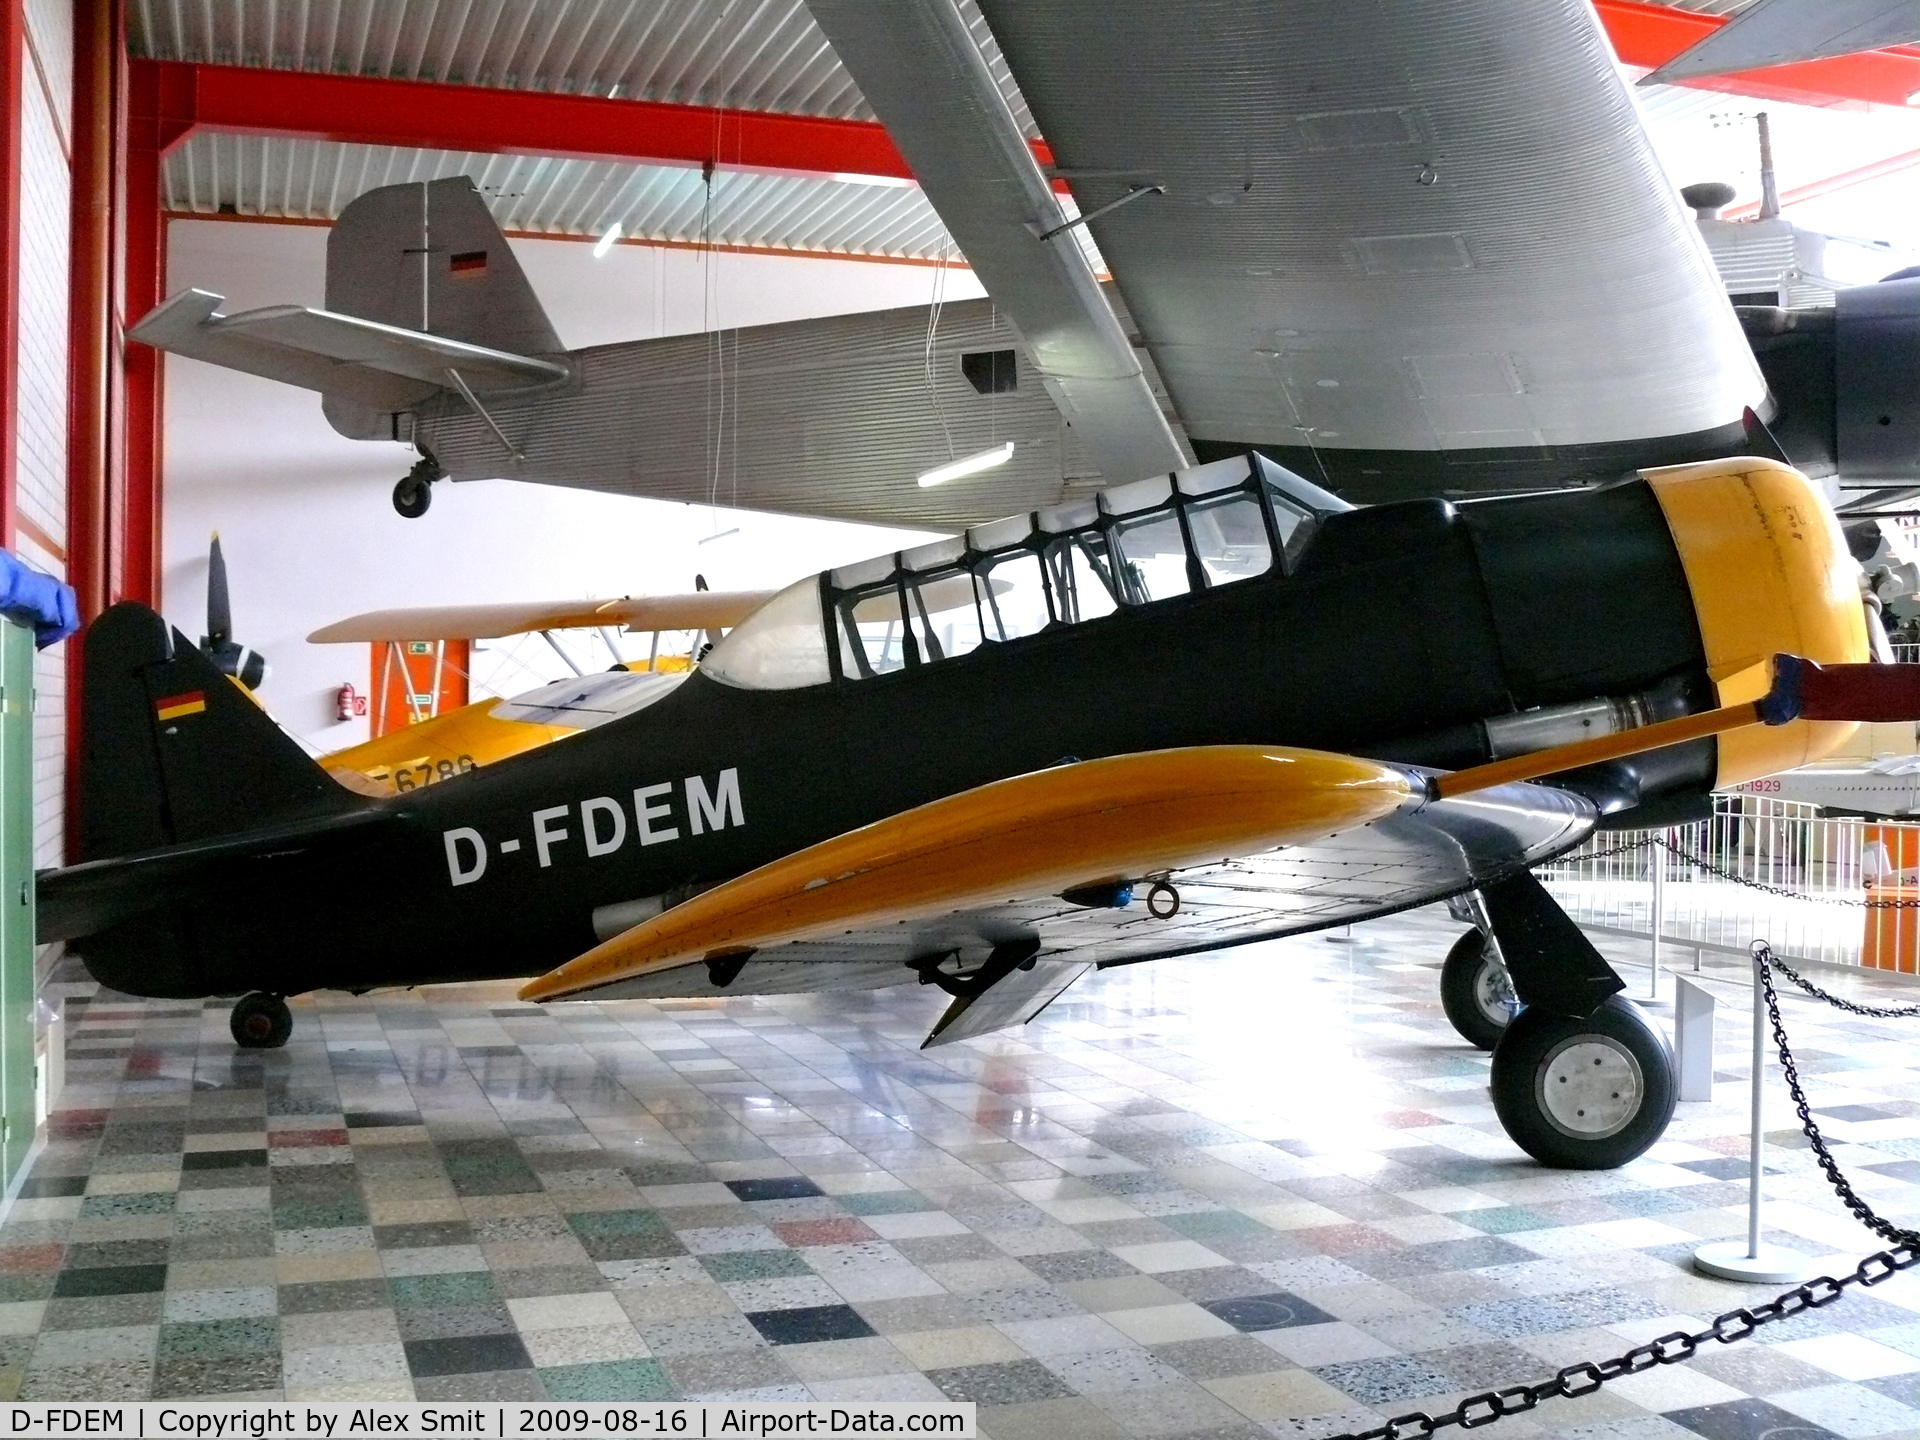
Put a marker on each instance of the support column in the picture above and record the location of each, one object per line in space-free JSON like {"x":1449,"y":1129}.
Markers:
{"x":93,"y":379}
{"x":157,"y":119}
{"x":95,"y":500}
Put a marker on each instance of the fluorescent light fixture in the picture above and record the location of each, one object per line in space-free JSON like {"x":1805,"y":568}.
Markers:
{"x":893,"y":182}
{"x":721,"y":536}
{"x":608,"y":238}
{"x":968,"y":465}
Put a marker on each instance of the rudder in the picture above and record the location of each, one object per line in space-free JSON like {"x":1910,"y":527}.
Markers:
{"x":174,"y":751}
{"x":430,"y":257}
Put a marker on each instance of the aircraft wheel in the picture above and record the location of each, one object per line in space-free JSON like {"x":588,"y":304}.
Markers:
{"x":1584,"y":1094}
{"x":1475,"y":992}
{"x":412,"y":496}
{"x":260,"y":1022}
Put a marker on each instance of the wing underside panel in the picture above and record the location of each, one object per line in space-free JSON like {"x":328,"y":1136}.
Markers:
{"x":1410,"y":858}
{"x":1390,"y":225}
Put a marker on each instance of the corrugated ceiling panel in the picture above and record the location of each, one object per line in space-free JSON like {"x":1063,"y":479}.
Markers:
{"x":748,"y":54}
{"x":315,"y":179}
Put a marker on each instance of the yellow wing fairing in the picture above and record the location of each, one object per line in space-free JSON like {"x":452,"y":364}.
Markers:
{"x":1032,"y":835}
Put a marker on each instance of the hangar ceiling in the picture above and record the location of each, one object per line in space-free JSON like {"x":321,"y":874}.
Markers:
{"x":757,"y":55}
{"x":764,"y":55}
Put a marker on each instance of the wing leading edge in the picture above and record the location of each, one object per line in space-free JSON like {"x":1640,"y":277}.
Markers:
{"x":968,"y":891}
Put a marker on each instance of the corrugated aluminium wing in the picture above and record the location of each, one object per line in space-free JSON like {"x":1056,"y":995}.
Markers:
{"x":921,"y":71}
{"x":1781,"y":32}
{"x":1387,"y":224}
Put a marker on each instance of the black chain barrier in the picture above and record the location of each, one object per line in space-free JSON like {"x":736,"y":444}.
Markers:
{"x":1766,"y":957}
{"x":1863,"y":1212}
{"x":1583,"y":1379}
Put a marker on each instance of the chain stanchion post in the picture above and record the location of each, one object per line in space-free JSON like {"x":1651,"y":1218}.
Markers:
{"x":1751,"y":1260}
{"x":1657,"y":863}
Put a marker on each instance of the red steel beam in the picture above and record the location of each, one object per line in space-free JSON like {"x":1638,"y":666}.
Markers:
{"x":1651,"y":35}
{"x":1832,"y":184}
{"x":423,"y":114}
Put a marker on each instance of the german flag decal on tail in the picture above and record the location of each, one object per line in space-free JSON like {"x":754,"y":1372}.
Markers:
{"x":174,"y":707}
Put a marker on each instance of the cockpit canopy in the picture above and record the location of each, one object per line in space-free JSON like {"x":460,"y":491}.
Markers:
{"x":1175,"y":534}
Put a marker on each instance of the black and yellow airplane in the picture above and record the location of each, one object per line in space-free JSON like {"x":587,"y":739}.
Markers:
{"x":1184,"y":714}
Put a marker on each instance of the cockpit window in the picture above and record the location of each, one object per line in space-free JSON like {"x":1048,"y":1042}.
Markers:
{"x":1013,"y":595}
{"x":1199,"y":529}
{"x":1230,"y":537}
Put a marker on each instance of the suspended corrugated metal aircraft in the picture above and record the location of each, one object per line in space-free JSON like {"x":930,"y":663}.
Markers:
{"x":1403,"y":246}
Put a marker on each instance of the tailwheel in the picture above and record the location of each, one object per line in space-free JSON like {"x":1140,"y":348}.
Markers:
{"x":1583,"y":1094}
{"x":414,"y":493}
{"x":260,"y":1021}
{"x":1476,"y":991}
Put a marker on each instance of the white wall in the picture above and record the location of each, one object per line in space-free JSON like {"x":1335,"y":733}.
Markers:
{"x":45,"y":187}
{"x":305,"y":518}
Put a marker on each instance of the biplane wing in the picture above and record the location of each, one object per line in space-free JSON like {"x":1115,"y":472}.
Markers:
{"x":701,"y":610}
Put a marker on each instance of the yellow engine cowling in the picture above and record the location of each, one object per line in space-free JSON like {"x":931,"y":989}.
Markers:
{"x":1770,"y":574}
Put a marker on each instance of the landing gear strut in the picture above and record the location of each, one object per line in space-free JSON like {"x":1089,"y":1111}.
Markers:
{"x":414,"y":493}
{"x":260,"y":1021}
{"x":1476,"y":992}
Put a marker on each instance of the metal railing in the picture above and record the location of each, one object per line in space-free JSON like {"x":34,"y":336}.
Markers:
{"x":1826,"y":890}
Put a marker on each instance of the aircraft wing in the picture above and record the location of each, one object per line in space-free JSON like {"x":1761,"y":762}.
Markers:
{"x":1784,"y":32}
{"x":326,"y":351}
{"x":974,"y":888}
{"x":701,"y":610}
{"x":1402,"y":226}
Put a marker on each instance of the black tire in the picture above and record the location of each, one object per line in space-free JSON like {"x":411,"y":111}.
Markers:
{"x":411,"y":497}
{"x":260,"y":1022}
{"x":1468,"y":994}
{"x":1621,"y":1109}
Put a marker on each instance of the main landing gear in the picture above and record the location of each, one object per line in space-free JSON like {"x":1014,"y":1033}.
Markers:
{"x":1475,"y":990}
{"x":414,"y":493}
{"x":260,"y":1021}
{"x":1580,"y":1079}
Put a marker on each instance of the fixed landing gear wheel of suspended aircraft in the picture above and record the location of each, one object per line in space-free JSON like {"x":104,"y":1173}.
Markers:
{"x":414,"y":491}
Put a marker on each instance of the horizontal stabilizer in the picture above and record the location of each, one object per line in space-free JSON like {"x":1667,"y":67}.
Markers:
{"x":702,"y":610}
{"x":88,"y":898}
{"x":371,"y":363}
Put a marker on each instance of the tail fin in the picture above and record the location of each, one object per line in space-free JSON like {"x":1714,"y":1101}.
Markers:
{"x":430,"y":257}
{"x":173,"y":751}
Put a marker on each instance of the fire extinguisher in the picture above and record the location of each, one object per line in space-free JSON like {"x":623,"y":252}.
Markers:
{"x":348,"y":703}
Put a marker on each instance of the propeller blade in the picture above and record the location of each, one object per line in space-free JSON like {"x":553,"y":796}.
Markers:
{"x":219,"y":609}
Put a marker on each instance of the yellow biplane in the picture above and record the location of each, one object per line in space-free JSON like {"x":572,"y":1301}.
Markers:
{"x":432,"y":745}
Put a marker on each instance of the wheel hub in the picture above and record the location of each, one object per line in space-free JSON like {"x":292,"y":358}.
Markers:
{"x":1590,"y":1087}
{"x":1493,"y":994}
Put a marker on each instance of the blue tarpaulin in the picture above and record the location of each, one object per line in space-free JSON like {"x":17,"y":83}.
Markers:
{"x":29,"y":597}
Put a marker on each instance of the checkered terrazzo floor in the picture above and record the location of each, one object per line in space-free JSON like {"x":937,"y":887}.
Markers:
{"x":1256,"y":1194}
